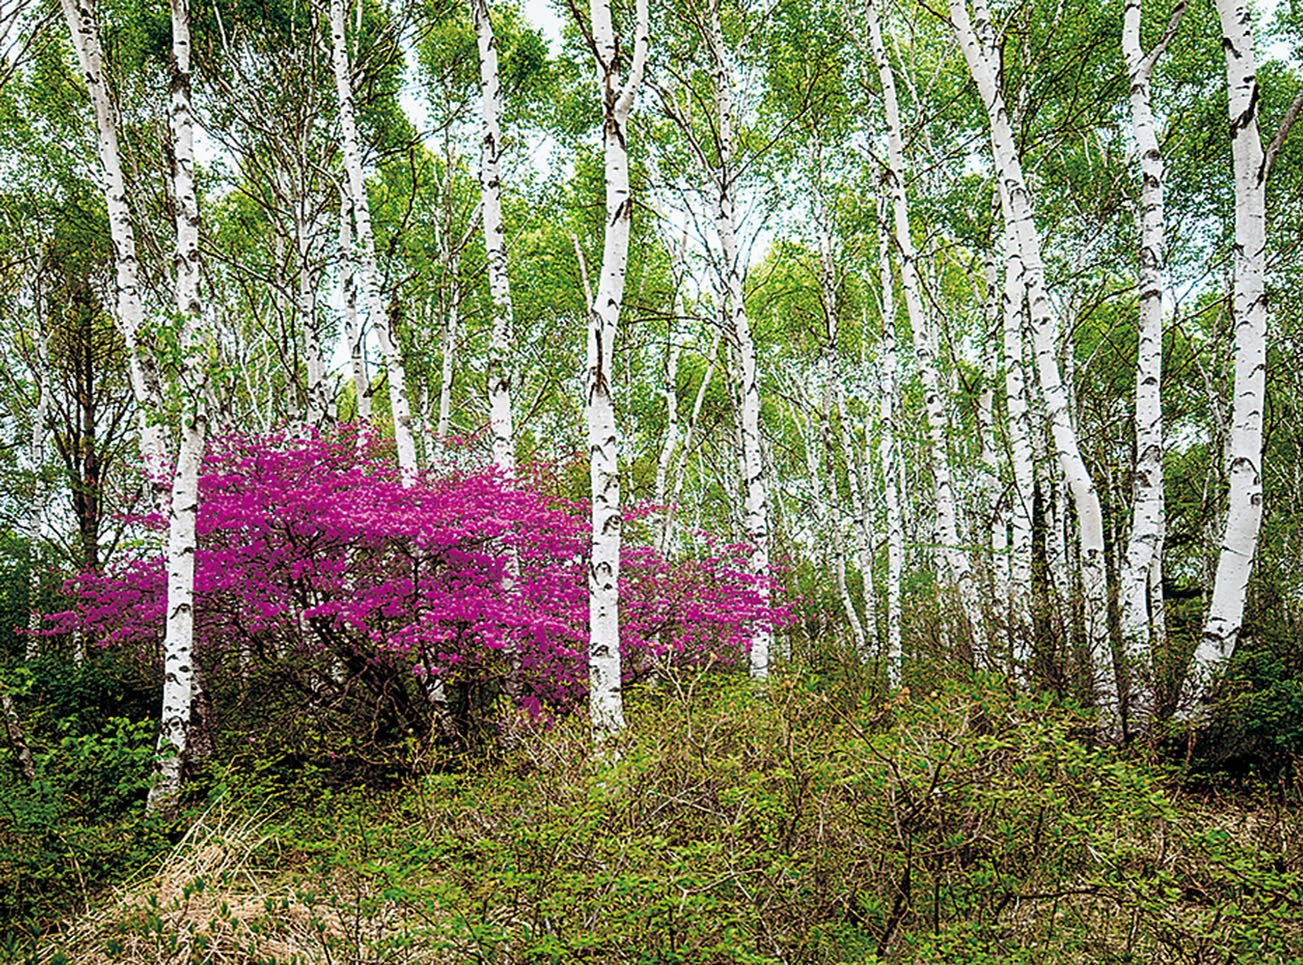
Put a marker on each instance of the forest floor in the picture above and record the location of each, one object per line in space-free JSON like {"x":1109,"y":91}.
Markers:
{"x":966,"y":825}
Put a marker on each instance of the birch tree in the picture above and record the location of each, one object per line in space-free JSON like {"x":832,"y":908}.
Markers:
{"x":975,"y":37}
{"x":1144,"y":547}
{"x":889,"y":455}
{"x":354,"y":330}
{"x":395,"y":373}
{"x":495,"y":242}
{"x":606,"y":703}
{"x":725,"y":178}
{"x":958,"y":565}
{"x":179,"y":675}
{"x":129,"y":311}
{"x":1224,"y":620}
{"x":1022,"y":466}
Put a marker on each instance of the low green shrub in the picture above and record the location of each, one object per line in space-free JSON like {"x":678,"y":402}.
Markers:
{"x":965,"y":825}
{"x":740,"y":824}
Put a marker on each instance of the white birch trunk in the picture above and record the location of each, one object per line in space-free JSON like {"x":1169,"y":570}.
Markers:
{"x":890,"y":457}
{"x":667,"y":531}
{"x":495,"y":242}
{"x":868,"y":636}
{"x":606,"y":702}
{"x":957,"y":561}
{"x":1021,"y":459}
{"x":754,"y":483}
{"x":992,"y":508}
{"x":404,"y":440}
{"x":353,"y":329}
{"x":129,"y":309}
{"x":36,"y":511}
{"x":670,"y":393}
{"x":447,"y":372}
{"x":317,"y":391}
{"x":178,"y":645}
{"x":17,"y":739}
{"x":1015,"y":200}
{"x":1225,"y":616}
{"x":1144,"y":548}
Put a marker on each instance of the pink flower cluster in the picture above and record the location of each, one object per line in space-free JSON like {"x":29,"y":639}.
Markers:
{"x":311,"y":550}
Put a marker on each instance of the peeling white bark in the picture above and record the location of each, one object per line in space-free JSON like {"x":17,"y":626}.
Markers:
{"x":891,"y":466}
{"x":1222,"y":625}
{"x":606,"y":702}
{"x":495,"y":242}
{"x":129,"y":312}
{"x":1021,"y":459}
{"x":353,"y":328}
{"x":1144,"y":547}
{"x":754,"y":483}
{"x":1015,"y":201}
{"x":317,"y":389}
{"x":400,"y":408}
{"x":958,"y":565}
{"x":178,"y":644}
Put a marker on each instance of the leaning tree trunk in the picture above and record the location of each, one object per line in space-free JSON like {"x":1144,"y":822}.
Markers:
{"x":14,"y":730}
{"x":495,"y":243}
{"x":129,"y":311}
{"x":1225,"y":616}
{"x":1015,"y":201}
{"x":1144,"y":548}
{"x":606,"y":702}
{"x":400,"y":408}
{"x":957,"y":562}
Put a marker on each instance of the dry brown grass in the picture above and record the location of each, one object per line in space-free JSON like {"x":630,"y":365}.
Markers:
{"x":214,"y":901}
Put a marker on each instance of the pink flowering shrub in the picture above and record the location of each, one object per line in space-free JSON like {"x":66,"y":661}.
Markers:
{"x":320,"y":572}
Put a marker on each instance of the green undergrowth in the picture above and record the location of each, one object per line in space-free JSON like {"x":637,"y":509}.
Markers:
{"x":731,"y":825}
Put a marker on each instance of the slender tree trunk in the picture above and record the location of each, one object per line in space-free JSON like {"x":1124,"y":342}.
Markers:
{"x":129,"y":311}
{"x":670,"y":393}
{"x":1225,"y":617}
{"x":178,"y":646}
{"x":495,"y":243}
{"x":667,"y":530}
{"x":867,"y":637}
{"x":990,"y":502}
{"x":447,"y":371}
{"x":36,"y":511}
{"x":957,"y":561}
{"x":399,"y":406}
{"x":606,"y":703}
{"x":754,"y":483}
{"x":1023,"y":495}
{"x":1144,"y":548}
{"x":317,"y":390}
{"x":890,"y":456}
{"x":1015,"y":200}
{"x":353,"y":329}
